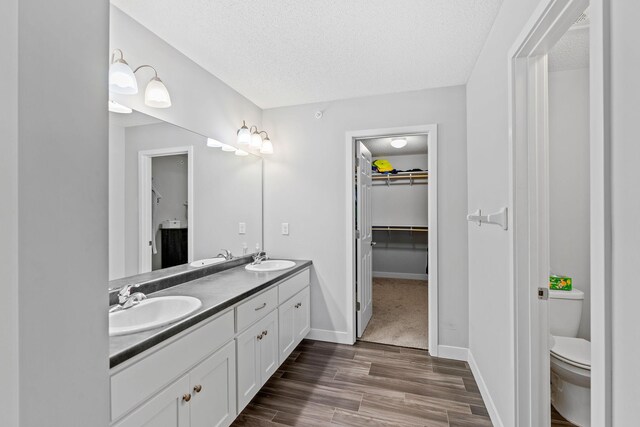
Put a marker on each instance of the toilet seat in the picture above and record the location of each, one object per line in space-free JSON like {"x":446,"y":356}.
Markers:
{"x":574,"y":351}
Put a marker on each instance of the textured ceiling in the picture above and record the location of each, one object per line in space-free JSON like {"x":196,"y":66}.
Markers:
{"x":381,"y":147}
{"x":571,"y":52}
{"x":288,"y":52}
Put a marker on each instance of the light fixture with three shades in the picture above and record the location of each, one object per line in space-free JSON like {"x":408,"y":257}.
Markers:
{"x":253,"y":138}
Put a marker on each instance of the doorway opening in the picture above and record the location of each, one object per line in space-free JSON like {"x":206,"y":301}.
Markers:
{"x":165,"y":195}
{"x":394,"y":246}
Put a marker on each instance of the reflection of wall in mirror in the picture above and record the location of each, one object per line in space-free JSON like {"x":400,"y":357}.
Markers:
{"x":227,"y":191}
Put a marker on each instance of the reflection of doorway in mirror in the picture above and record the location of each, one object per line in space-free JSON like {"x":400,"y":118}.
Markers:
{"x":165,"y":208}
{"x":169,"y":194}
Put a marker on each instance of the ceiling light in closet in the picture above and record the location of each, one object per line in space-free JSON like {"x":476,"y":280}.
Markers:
{"x":398,"y":142}
{"x":114,"y":107}
{"x":214,"y":143}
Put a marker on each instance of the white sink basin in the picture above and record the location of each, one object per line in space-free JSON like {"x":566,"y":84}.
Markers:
{"x":151,"y":313}
{"x":207,"y":261}
{"x":271,"y":265}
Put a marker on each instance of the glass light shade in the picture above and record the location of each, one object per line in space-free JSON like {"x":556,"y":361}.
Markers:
{"x":244,"y":136}
{"x":214,"y":143}
{"x":229,"y":148}
{"x":114,"y":107}
{"x":256,"y":140}
{"x":241,"y":153}
{"x":398,"y":142}
{"x":121,"y":79}
{"x":267,"y":146}
{"x":156,"y":95}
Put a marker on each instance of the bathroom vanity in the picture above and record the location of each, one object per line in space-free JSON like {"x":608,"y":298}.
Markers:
{"x":204,"y":369}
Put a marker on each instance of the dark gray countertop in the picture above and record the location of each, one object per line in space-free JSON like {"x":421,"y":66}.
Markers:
{"x":217,"y":292}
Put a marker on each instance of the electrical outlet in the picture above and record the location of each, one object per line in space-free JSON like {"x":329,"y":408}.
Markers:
{"x":242,"y":228}
{"x":285,"y":228}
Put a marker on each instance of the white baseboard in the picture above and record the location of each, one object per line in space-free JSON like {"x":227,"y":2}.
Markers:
{"x":455,"y":353}
{"x":484,"y":391}
{"x":330,"y":336}
{"x":392,"y":275}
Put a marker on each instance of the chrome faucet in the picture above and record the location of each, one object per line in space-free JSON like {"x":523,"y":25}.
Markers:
{"x":258,"y":257}
{"x":226,"y":254}
{"x":126,"y":299}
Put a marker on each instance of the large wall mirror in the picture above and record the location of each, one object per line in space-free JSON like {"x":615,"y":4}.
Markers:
{"x":174,"y":200}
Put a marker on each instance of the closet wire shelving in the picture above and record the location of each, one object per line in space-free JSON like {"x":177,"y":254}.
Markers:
{"x":420,"y":177}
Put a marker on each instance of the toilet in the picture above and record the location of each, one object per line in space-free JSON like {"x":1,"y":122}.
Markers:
{"x":570,"y":358}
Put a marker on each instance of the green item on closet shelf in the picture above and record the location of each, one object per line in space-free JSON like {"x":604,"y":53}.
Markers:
{"x":382,"y":165}
{"x":560,"y":283}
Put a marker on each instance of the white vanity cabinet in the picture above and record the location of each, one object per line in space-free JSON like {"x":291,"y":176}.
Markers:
{"x":206,"y":375}
{"x":257,"y":357}
{"x":293,"y":322}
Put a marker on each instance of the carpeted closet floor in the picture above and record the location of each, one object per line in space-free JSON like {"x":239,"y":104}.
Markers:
{"x":399,"y":313}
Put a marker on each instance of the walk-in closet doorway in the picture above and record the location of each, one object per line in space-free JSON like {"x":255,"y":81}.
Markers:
{"x":392,"y":235}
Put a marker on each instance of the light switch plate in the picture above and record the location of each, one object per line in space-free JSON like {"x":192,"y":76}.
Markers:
{"x":285,"y":228}
{"x":242,"y":228}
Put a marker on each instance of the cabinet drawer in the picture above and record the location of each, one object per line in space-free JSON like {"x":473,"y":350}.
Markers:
{"x":256,"y":308}
{"x":293,"y":285}
{"x":136,"y":383}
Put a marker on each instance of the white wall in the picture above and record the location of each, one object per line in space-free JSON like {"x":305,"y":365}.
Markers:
{"x":201,"y":102}
{"x":62,"y":210}
{"x":227,"y":190}
{"x":305,"y":185}
{"x":405,"y":204}
{"x":491,"y":340}
{"x":116,"y":201}
{"x":9,"y":392}
{"x":569,"y":216}
{"x":169,"y":174}
{"x":625,"y":199}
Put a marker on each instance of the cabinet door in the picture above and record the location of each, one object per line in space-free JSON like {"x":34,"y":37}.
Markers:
{"x":248,"y":357}
{"x":269,"y":360}
{"x":302,"y":315}
{"x":166,"y":409}
{"x":286,"y":329}
{"x":213,"y":389}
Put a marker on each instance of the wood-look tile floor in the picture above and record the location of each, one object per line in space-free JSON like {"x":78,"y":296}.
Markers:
{"x":367,"y":384}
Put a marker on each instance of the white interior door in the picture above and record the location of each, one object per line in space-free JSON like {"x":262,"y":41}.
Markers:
{"x":364,"y":278}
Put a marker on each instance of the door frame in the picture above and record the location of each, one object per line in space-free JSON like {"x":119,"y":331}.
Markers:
{"x":528,"y":194}
{"x":432,"y":146}
{"x":145,"y":158}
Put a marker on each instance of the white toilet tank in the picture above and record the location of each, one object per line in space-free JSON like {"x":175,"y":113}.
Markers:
{"x":565,"y":311}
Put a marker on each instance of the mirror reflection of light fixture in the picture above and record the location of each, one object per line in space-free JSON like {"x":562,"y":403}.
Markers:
{"x":398,"y":142}
{"x":267,"y":146}
{"x":256,"y":139}
{"x":213,"y":143}
{"x":114,"y":107}
{"x":156,"y":94}
{"x":121,"y":77}
{"x":244,"y":135}
{"x":241,"y":153}
{"x":229,"y":148}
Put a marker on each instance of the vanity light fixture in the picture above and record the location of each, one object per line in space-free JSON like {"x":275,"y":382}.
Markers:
{"x":253,"y":137}
{"x":244,"y":135}
{"x":267,"y":146}
{"x":229,"y":148}
{"x":241,"y":153}
{"x":156,"y":94}
{"x":214,"y":143}
{"x":122,"y":80}
{"x":121,"y":77}
{"x":114,"y":107}
{"x":398,"y":142}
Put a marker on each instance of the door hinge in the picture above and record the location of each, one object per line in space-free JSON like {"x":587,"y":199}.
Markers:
{"x":357,"y":162}
{"x":357,"y":234}
{"x":358,"y":306}
{"x":543,"y":293}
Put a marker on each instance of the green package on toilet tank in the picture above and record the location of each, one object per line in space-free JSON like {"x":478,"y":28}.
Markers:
{"x":561,"y":283}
